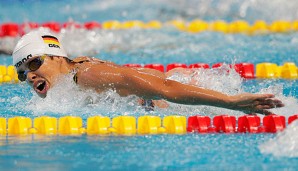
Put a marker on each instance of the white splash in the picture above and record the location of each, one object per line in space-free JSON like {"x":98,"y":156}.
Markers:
{"x":67,"y":98}
{"x":291,"y":103}
{"x":7,"y":44}
{"x":285,"y":144}
{"x":222,"y":79}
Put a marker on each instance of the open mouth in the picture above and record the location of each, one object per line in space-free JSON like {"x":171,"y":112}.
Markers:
{"x":41,"y":88}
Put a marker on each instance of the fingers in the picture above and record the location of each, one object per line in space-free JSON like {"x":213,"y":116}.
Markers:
{"x":262,"y":107}
{"x":268,"y":105}
{"x":273,"y":103}
{"x":258,"y":103}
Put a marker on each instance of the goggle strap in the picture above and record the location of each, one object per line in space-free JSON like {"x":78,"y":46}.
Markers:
{"x":26,"y":72}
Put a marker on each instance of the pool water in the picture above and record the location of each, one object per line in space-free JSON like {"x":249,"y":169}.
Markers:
{"x":152,"y":152}
{"x":164,"y":46}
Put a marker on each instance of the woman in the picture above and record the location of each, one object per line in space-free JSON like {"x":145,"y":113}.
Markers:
{"x":40,"y":59}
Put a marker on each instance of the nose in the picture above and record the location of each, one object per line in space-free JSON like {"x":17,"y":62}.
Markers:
{"x":31,"y":77}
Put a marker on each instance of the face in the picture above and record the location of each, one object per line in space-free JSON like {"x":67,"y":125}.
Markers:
{"x":41,"y":73}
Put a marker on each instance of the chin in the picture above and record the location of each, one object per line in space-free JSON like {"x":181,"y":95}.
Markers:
{"x":42,"y":95}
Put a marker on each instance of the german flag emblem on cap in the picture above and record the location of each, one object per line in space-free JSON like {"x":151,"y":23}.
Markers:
{"x":51,"y":40}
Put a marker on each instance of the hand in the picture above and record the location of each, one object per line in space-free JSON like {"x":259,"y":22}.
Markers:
{"x":255,"y":103}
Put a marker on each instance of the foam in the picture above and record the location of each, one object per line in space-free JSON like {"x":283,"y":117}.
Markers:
{"x":66,"y":98}
{"x":284,"y":144}
{"x":7,"y":44}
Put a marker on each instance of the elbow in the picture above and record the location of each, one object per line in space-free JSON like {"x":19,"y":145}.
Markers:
{"x":167,"y":91}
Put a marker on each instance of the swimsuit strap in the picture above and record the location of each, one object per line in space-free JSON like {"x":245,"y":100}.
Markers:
{"x":81,"y":60}
{"x":75,"y":78}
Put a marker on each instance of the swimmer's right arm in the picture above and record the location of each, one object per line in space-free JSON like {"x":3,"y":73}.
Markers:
{"x":148,"y":86}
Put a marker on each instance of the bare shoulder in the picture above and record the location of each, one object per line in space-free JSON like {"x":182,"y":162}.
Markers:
{"x":96,"y":71}
{"x":102,"y":76}
{"x":90,"y":69}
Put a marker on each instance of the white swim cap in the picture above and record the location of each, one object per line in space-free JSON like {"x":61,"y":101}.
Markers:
{"x":35,"y":43}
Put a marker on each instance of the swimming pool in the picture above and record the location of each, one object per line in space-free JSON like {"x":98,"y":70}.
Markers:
{"x":144,"y":46}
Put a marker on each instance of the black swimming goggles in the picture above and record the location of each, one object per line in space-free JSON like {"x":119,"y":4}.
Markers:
{"x":32,"y":65}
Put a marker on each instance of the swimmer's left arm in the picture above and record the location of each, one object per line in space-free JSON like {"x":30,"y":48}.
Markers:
{"x":130,"y":81}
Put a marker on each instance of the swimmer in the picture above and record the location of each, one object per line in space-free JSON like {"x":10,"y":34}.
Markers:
{"x":40,"y":60}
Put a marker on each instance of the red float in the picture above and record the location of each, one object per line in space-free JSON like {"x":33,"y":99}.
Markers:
{"x":92,"y":25}
{"x":217,"y":65}
{"x":249,"y":123}
{"x":225,"y":123}
{"x":246,"y":70}
{"x":10,"y":29}
{"x":198,"y":124}
{"x":292,"y":118}
{"x":274,"y":123}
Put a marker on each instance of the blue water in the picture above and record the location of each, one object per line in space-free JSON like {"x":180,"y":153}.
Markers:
{"x":160,"y":152}
{"x":167,"y":45}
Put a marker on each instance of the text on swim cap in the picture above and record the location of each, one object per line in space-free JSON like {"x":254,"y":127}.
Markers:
{"x":53,"y":45}
{"x":23,"y":61}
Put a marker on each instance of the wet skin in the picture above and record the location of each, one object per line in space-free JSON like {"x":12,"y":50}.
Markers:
{"x":145,"y":83}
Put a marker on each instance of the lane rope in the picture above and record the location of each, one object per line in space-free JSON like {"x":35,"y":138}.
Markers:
{"x":130,"y":125}
{"x":13,"y":29}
